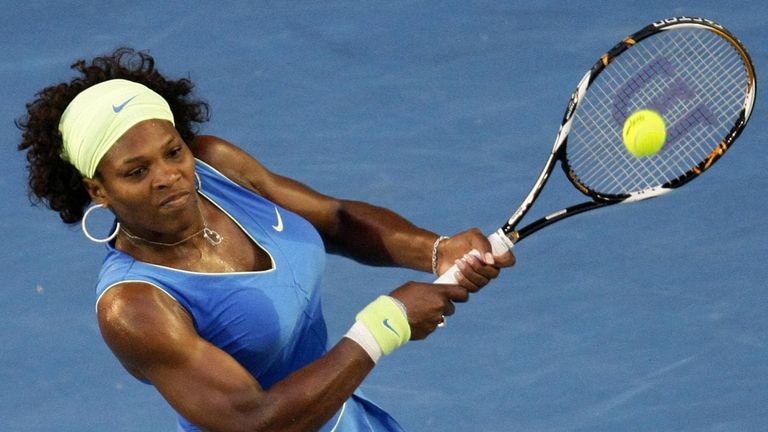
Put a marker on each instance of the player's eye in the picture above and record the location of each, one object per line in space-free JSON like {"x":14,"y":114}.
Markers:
{"x":175,"y":152}
{"x":136,"y":172}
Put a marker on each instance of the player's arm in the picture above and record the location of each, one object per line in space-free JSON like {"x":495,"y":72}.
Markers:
{"x":367,"y":233}
{"x":155,"y":339}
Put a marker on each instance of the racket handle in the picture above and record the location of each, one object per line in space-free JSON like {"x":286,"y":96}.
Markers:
{"x":500,"y":244}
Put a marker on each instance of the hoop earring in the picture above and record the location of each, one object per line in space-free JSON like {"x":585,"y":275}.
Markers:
{"x":85,"y":229}
{"x":198,"y":182}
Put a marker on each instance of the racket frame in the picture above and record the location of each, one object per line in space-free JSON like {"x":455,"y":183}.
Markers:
{"x":507,"y":236}
{"x":509,"y":231}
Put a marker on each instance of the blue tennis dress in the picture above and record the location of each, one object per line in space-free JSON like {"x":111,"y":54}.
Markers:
{"x":270,"y":321}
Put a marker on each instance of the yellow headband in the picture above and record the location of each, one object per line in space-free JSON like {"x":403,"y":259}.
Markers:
{"x":100,"y":115}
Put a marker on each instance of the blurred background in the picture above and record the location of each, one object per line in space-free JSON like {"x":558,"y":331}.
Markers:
{"x":648,"y":317}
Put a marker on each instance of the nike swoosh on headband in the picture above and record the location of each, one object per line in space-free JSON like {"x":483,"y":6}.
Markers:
{"x":279,"y":226}
{"x":118,"y":108}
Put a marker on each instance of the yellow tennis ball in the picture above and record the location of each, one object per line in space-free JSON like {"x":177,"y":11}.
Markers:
{"x":644,"y":133}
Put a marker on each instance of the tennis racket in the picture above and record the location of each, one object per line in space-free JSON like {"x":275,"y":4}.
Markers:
{"x":692,"y":71}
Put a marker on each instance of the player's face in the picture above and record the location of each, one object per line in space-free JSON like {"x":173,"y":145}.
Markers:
{"x":148,"y":180}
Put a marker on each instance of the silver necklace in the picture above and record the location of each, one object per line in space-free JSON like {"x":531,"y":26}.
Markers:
{"x":209,"y":234}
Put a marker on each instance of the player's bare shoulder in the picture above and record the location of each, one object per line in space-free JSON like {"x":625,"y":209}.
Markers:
{"x":232,"y":161}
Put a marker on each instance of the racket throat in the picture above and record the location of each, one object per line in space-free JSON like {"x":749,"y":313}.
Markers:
{"x":509,"y":234}
{"x":501,"y":242}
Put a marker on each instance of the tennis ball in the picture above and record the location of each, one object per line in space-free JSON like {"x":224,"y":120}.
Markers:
{"x":644,"y":133}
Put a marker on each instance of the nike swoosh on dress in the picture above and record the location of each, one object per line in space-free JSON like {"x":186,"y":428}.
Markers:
{"x":279,"y":226}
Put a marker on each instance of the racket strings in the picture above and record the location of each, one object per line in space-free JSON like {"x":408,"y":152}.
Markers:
{"x":694,"y":77}
{"x":627,"y":169}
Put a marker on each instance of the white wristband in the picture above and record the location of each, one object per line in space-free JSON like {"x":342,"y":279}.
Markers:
{"x":361,"y":335}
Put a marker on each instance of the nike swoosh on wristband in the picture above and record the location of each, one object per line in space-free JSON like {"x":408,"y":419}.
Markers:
{"x":279,"y":226}
{"x":389,"y":326}
{"x":118,"y":108}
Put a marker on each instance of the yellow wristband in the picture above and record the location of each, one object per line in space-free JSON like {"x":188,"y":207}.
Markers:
{"x":386,"y":319}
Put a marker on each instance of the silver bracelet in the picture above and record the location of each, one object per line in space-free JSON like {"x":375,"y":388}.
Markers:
{"x":434,"y":253}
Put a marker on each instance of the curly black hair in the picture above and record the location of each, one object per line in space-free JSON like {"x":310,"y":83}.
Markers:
{"x":55,"y":182}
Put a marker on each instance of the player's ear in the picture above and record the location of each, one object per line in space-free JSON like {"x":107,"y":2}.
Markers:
{"x":96,"y":190}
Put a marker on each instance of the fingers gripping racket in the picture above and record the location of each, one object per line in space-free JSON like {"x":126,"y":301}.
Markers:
{"x":693,"y":72}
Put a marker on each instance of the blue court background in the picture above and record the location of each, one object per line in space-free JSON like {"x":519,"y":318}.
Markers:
{"x":643,"y":318}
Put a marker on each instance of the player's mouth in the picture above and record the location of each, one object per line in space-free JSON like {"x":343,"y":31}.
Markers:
{"x":175,"y":200}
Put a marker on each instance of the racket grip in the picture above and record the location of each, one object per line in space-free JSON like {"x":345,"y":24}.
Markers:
{"x":500,"y":244}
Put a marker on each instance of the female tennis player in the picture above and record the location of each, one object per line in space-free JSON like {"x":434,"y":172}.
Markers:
{"x":209,"y":289}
